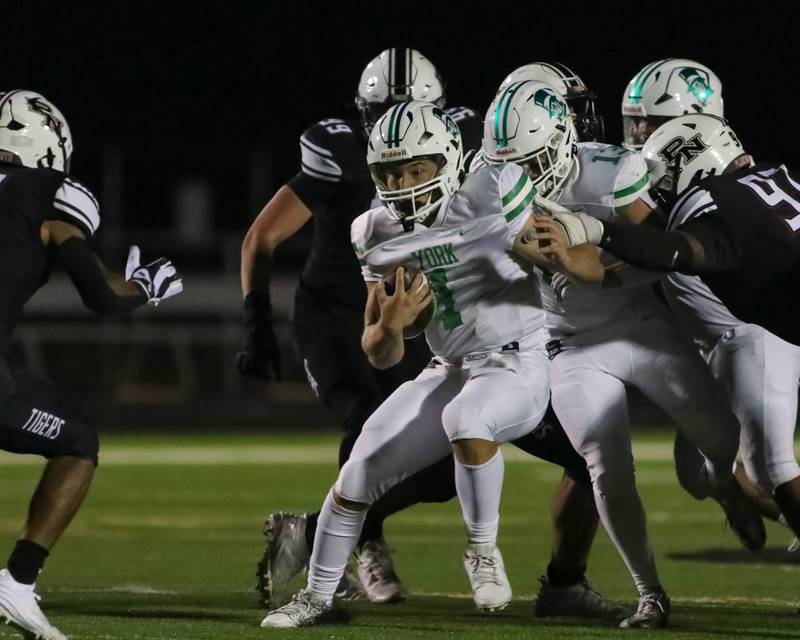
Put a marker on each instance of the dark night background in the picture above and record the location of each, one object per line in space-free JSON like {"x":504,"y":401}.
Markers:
{"x":185,"y":117}
{"x":201,"y":88}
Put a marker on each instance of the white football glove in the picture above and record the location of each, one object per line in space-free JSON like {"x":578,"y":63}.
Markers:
{"x":579,"y":228}
{"x":158,"y":280}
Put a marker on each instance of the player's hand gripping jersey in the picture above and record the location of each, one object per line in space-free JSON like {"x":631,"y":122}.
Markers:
{"x":334,"y":183}
{"x":485,"y":299}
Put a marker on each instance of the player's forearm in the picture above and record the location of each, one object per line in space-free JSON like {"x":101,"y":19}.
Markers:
{"x":256,"y":263}
{"x":582,"y":264}
{"x":649,"y":248}
{"x":91,"y":280}
{"x":383,"y":345}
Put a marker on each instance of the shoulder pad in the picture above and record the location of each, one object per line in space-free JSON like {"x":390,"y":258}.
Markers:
{"x":695,"y":202}
{"x":632,"y":181}
{"x":78,"y":205}
{"x":329,"y":150}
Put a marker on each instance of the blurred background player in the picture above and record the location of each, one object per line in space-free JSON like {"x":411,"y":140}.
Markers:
{"x":333,"y":186}
{"x":46,"y":218}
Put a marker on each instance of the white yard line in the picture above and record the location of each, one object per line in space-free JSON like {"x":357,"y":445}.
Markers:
{"x":242,"y":454}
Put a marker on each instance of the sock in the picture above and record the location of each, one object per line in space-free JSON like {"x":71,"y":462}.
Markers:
{"x":337,"y":533}
{"x":311,"y":528}
{"x":373,"y":528}
{"x":26,"y":561}
{"x":560,"y":577}
{"x":622,"y":515}
{"x":479,"y":489}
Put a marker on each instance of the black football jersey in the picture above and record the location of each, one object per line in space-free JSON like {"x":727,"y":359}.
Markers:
{"x":749,"y":225}
{"x":28,"y":197}
{"x":335,"y":184}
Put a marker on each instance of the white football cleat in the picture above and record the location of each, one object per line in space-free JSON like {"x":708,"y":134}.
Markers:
{"x":19,"y":608}
{"x":376,"y":573}
{"x":304,"y":610}
{"x":286,"y":554}
{"x":653,"y":612}
{"x":491,"y":590}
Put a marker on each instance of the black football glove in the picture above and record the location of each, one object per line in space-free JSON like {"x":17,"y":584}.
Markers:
{"x":259,"y":356}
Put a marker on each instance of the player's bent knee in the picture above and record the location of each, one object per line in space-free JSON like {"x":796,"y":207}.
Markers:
{"x":780,"y":472}
{"x":350,"y":505}
{"x":356,"y":484}
{"x":619,"y":483}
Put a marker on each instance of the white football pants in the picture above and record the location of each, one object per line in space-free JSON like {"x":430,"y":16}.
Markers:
{"x":761,"y":373}
{"x":588,"y":393}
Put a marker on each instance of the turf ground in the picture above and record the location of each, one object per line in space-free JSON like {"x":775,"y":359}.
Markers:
{"x":166,"y":545}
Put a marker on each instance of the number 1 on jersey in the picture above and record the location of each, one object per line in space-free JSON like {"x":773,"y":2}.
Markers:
{"x":447,"y":314}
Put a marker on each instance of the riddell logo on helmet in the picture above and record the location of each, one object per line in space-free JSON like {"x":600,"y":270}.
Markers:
{"x":632,"y":110}
{"x":506,"y":151}
{"x":395,"y":154}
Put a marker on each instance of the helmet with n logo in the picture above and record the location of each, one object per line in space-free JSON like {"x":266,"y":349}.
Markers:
{"x":667,"y":89}
{"x":581,"y":100}
{"x":689,"y":148}
{"x":410,"y":131}
{"x":529,"y":123}
{"x":33,"y":132}
{"x":396,"y":75}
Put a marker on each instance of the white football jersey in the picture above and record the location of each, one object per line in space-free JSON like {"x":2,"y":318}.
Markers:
{"x":605,"y":179}
{"x":485,"y":298}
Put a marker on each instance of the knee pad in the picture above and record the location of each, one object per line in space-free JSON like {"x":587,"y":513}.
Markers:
{"x":780,"y":472}
{"x":461,"y":422}
{"x":354,"y":484}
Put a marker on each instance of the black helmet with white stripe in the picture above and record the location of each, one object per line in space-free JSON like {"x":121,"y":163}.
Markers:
{"x":33,"y":132}
{"x":396,"y":75}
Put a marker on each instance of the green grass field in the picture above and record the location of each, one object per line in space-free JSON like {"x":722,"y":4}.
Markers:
{"x":166,"y":545}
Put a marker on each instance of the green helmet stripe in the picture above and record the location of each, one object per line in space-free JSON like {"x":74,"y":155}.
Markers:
{"x":397,"y":122}
{"x":391,"y":123}
{"x":636,"y":92}
{"x":505,"y":105}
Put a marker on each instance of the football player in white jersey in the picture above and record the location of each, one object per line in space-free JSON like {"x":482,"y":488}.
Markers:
{"x":604,"y":340}
{"x":488,"y":382}
{"x":759,"y":369}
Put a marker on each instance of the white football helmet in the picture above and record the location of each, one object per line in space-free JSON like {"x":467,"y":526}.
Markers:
{"x":33,"y":132}
{"x":416,"y":130}
{"x":529,"y":123}
{"x":667,"y":89}
{"x":581,"y":100}
{"x":396,"y":75}
{"x":689,"y":148}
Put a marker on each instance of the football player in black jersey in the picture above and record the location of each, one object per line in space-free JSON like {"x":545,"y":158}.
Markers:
{"x":46,"y":218}
{"x":334,"y":186}
{"x":734,"y":224}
